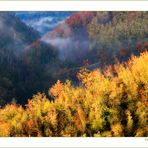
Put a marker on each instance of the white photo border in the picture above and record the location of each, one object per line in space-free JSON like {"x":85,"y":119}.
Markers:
{"x":73,"y":5}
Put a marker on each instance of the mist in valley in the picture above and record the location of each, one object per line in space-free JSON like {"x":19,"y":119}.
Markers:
{"x":38,"y":48}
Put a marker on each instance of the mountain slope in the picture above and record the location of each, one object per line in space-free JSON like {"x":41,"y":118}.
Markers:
{"x":14,"y":33}
{"x":16,"y":75}
{"x":108,"y":36}
{"x":96,"y":39}
{"x":111,"y":103}
{"x":30,"y":63}
{"x":43,"y":21}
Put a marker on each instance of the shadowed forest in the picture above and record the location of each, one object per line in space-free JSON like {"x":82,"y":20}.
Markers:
{"x":72,"y":74}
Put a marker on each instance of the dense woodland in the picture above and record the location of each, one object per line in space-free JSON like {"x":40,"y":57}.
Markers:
{"x":112,"y":102}
{"x":86,"y":77}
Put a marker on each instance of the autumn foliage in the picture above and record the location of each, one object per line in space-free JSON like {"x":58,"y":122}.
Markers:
{"x":80,"y":19}
{"x":109,"y":102}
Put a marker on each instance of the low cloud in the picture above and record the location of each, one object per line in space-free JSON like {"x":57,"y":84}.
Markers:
{"x":69,"y":48}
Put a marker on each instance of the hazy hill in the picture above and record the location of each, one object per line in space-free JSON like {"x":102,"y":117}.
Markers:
{"x":18,"y":77}
{"x":43,"y":21}
{"x":31,"y":62}
{"x":97,"y":39}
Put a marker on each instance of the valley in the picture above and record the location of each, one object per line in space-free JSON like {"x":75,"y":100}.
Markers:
{"x":32,"y":61}
{"x":72,"y":74}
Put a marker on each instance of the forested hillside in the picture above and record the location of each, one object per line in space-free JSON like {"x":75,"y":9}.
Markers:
{"x":19,"y":79}
{"x":43,"y":21}
{"x":97,"y":39}
{"x":87,"y":76}
{"x":110,"y":102}
{"x":100,"y":36}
